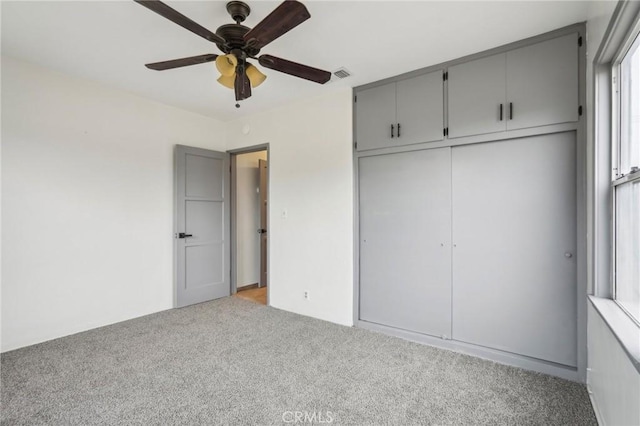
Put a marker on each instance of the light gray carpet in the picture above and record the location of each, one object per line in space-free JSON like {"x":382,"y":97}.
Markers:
{"x":231,"y":361}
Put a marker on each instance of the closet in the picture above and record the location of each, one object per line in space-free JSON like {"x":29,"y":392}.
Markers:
{"x":469,"y":238}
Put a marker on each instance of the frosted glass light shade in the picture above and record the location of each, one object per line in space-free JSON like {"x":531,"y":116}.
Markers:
{"x":227,"y":81}
{"x":226,"y":64}
{"x":255,"y":76}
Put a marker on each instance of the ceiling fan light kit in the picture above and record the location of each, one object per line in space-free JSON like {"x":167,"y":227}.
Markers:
{"x":239,"y":43}
{"x":228,"y":64}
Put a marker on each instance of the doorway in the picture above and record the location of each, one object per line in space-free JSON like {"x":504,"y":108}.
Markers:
{"x":249,"y":224}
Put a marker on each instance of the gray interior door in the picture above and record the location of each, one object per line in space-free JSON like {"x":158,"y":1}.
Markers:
{"x":263,"y":176}
{"x":542,"y":83}
{"x":420,"y":109}
{"x":202,"y":225}
{"x":375,"y":113}
{"x":476,"y":92}
{"x":514,"y":235}
{"x":405,"y":232}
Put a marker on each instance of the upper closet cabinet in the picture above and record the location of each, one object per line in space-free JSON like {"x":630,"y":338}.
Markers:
{"x":532,"y":86}
{"x":542,"y":83}
{"x":476,"y":96}
{"x":375,"y":114}
{"x":420,"y":109}
{"x":400,"y":113}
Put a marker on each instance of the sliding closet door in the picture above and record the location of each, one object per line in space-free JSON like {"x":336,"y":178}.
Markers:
{"x":514,"y":256}
{"x":405,"y":251}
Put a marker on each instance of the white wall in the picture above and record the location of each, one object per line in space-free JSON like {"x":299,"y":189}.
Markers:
{"x":248,"y":217}
{"x":87,"y":183}
{"x":611,"y":376}
{"x":311,"y":179}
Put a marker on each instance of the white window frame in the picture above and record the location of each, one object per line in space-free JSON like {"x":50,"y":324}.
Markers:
{"x":618,"y":178}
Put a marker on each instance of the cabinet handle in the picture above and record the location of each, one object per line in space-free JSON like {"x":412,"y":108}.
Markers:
{"x":392,"y":136}
{"x":500,"y":112}
{"x":510,"y":110}
{"x":398,"y":129}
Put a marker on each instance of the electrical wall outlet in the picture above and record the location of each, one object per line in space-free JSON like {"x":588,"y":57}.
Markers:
{"x":306,"y":294}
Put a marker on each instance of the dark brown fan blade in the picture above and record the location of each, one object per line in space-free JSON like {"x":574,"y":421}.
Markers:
{"x":242,"y":85}
{"x":295,"y":69}
{"x":285,"y":17}
{"x":177,"y":17}
{"x":183,"y":62}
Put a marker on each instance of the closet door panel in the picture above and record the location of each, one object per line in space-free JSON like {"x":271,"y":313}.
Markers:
{"x":405,"y":251}
{"x":476,"y":90}
{"x":514,"y":231}
{"x":375,"y":113}
{"x":420,"y":109}
{"x":542,"y":83}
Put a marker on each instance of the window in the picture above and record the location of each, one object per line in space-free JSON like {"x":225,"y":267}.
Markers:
{"x":626,"y":179}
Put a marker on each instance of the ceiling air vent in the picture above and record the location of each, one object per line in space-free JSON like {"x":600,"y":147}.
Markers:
{"x":342,"y":73}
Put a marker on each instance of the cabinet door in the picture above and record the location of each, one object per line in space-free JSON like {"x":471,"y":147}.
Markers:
{"x":476,"y":91}
{"x":375,"y":113}
{"x":514,"y":230}
{"x":420,"y":109}
{"x":405,"y":232}
{"x":542,"y":83}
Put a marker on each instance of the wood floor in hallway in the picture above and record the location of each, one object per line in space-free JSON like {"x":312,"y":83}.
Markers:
{"x":257,"y":295}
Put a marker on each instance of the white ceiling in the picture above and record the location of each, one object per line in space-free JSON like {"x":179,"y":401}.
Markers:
{"x":109,"y":41}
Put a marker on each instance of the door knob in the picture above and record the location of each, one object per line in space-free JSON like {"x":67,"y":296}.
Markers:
{"x":568,"y":255}
{"x":262,"y":231}
{"x":183,"y":235}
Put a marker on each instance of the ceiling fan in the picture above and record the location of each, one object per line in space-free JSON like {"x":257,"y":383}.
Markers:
{"x":240,"y":43}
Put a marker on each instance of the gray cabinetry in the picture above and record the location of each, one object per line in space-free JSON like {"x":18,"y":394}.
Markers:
{"x":542,"y":83}
{"x":406,"y":112}
{"x":477,"y":94}
{"x":405,"y":250}
{"x":375,"y":114}
{"x":532,"y":86}
{"x":420,"y":109}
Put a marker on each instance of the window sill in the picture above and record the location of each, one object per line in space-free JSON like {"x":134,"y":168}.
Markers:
{"x":625,"y":330}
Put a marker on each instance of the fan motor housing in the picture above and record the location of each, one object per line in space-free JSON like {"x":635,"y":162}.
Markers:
{"x":234,"y":36}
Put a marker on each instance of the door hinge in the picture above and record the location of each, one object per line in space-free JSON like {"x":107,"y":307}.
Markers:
{"x":355,"y":145}
{"x":355,"y":99}
{"x":580,"y":110}
{"x":445,"y":131}
{"x":445,"y":76}
{"x":580,"y":41}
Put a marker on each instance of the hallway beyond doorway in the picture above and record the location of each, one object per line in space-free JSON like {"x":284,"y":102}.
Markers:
{"x":255,"y":294}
